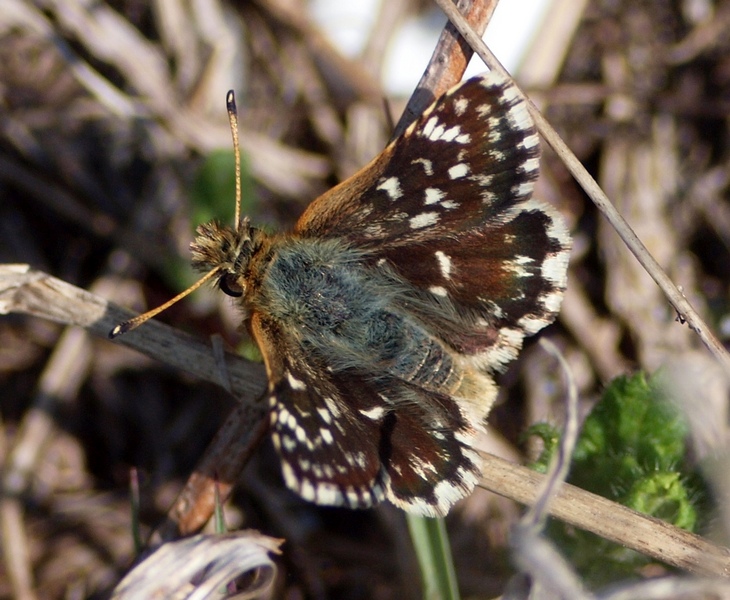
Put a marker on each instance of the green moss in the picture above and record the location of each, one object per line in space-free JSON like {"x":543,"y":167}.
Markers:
{"x":631,"y":450}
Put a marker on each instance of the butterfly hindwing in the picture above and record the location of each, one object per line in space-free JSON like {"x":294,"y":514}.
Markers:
{"x":353,"y":438}
{"x":503,"y":280}
{"x":327,"y":451}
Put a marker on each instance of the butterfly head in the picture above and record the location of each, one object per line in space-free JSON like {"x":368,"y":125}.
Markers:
{"x":227,"y":251}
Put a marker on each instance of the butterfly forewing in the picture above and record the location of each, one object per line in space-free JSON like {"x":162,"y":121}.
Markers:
{"x":448,"y":207}
{"x":471,"y":155}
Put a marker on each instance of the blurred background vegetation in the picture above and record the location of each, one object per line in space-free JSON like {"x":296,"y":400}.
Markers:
{"x":114,"y":145}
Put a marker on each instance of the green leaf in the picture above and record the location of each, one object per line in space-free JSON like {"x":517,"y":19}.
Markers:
{"x":213,"y":192}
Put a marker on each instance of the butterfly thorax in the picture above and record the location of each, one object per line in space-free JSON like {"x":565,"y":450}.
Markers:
{"x":349,"y":313}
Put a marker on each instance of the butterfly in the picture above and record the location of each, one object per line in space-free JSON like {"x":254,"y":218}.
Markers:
{"x":383,"y":316}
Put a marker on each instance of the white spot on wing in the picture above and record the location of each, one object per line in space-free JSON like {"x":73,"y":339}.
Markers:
{"x":494,"y":309}
{"x":552,"y":301}
{"x":360,"y":459}
{"x":433,"y":196}
{"x":503,"y":351}
{"x":517,"y":115}
{"x":307,"y":491}
{"x":523,"y":189}
{"x":391,"y":186}
{"x":424,"y":219}
{"x":531,"y":165}
{"x":450,"y":135}
{"x":425,"y":470}
{"x":532,"y":324}
{"x":518,"y":265}
{"x":484,"y":180}
{"x":484,"y":110}
{"x":458,"y":171}
{"x":296,"y":384}
{"x":282,"y":415}
{"x":355,"y":459}
{"x":530,"y":141}
{"x":437,"y":133}
{"x":497,"y":155}
{"x":377,"y":492}
{"x":437,"y":290}
{"x":290,"y":477}
{"x":353,"y":498}
{"x":444,"y":263}
{"x":554,"y":269}
{"x":376,"y":413}
{"x":325,"y":415}
{"x":326,"y":436}
{"x":430,"y":126}
{"x":291,"y":421}
{"x":374,"y":230}
{"x":288,"y":443}
{"x":460,"y":106}
{"x":427,"y":165}
{"x":329,"y":495}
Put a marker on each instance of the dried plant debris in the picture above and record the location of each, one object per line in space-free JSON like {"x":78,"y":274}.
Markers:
{"x":202,"y":567}
{"x":113,"y":135}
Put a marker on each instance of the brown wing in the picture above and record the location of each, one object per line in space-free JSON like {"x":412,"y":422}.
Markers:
{"x":353,"y":439}
{"x":448,"y":208}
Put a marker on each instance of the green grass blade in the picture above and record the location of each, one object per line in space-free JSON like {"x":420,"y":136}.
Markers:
{"x":434,"y":558}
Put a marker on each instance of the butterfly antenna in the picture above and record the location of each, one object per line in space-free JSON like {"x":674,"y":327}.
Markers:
{"x":233,"y":122}
{"x":130,"y":324}
{"x":126,"y":326}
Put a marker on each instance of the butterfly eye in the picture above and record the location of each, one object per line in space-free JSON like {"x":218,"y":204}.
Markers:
{"x":229,"y":285}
